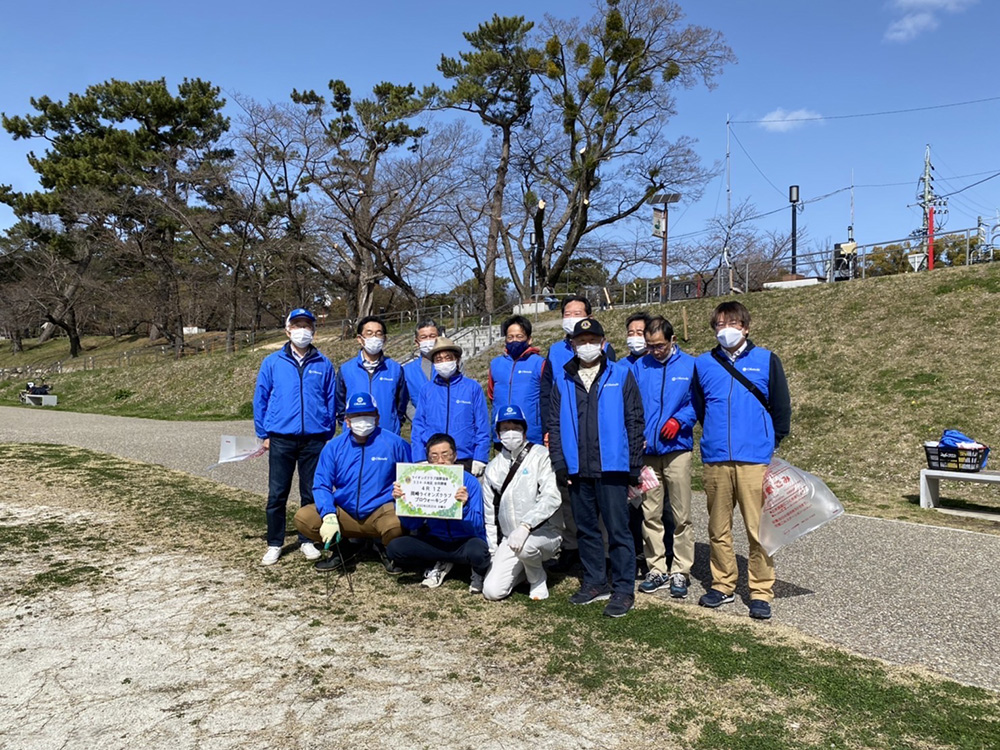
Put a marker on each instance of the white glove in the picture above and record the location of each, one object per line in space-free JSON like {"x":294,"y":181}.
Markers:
{"x":478,"y":467}
{"x":330,"y":530}
{"x":518,"y":537}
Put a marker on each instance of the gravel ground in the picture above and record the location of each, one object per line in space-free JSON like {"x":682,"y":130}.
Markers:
{"x":907,"y":593}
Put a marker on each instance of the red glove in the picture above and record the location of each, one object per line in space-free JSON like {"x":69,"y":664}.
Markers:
{"x":670,"y":429}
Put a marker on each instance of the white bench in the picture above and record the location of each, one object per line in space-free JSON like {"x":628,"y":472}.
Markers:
{"x":930,"y":480}
{"x":37,"y":399}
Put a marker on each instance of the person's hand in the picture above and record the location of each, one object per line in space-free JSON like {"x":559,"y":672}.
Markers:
{"x":545,"y":439}
{"x":397,"y":490}
{"x":462,"y":495}
{"x":478,"y":467}
{"x":670,"y":429}
{"x":330,"y":530}
{"x":517,"y":538}
{"x":562,"y":477}
{"x":267,"y":444}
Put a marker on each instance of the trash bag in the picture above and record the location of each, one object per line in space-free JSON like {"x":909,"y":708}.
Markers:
{"x":795,"y":503}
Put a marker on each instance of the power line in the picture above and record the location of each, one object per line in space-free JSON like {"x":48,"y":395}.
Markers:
{"x":868,"y":114}
{"x":759,"y":170}
{"x":977,"y":182}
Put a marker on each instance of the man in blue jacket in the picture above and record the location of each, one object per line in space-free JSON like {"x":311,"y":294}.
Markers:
{"x":574,"y":309}
{"x":455,"y":405}
{"x":664,"y":378}
{"x":419,"y":371}
{"x":353,"y":483}
{"x":740,"y":396}
{"x":293,"y":413}
{"x":595,"y":444}
{"x":376,"y":373}
{"x":441,"y":543}
{"x":516,"y":376}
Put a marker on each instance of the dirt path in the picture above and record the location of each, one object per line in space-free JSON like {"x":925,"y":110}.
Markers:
{"x":907,"y":593}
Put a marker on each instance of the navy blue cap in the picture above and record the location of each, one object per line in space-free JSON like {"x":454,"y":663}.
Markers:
{"x":299,"y":312}
{"x":509,"y":413}
{"x":588,"y":325}
{"x":361,"y":403}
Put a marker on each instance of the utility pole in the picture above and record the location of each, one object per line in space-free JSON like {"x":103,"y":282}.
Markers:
{"x":931,"y":205}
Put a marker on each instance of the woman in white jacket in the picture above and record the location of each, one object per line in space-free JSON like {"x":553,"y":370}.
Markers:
{"x":520,"y":505}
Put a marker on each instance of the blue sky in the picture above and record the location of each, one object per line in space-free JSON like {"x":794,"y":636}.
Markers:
{"x":796,"y":59}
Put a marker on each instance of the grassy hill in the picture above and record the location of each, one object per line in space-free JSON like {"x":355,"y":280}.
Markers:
{"x":875,"y":368}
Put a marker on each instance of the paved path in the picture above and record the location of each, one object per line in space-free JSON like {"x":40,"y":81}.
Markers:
{"x":907,"y":593}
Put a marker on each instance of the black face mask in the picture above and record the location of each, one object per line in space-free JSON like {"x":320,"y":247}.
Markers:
{"x":516,"y":348}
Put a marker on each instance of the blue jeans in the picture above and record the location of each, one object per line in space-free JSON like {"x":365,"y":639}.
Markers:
{"x":420,"y":551}
{"x":282,"y":457}
{"x":605,"y":498}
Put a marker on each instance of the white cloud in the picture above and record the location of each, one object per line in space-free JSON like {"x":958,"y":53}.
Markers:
{"x":920,"y":16}
{"x":782,"y":120}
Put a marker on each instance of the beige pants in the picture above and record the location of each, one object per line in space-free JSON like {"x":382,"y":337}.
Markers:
{"x":382,"y":524}
{"x":674,"y":472}
{"x":728,"y":484}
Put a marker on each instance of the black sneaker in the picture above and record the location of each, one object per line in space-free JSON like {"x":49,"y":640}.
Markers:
{"x":390,"y":567}
{"x":714,"y":598}
{"x":619,"y":605}
{"x":588,"y":594}
{"x":760,"y":610}
{"x":331,"y":563}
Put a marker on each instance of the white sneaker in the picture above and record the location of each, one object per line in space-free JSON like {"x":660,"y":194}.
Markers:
{"x":271,"y":556}
{"x":539,"y":590}
{"x":310,"y":551}
{"x":476,"y":583}
{"x":436,"y":575}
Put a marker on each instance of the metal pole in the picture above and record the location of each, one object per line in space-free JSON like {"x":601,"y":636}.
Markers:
{"x":663,"y":254}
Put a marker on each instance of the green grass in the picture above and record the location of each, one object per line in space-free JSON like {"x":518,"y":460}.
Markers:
{"x":718,"y":683}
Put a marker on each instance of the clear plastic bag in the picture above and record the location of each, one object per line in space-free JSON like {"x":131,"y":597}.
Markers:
{"x":795,"y":503}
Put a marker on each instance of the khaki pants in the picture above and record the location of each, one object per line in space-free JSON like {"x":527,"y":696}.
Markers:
{"x":674,"y":472}
{"x":728,"y":484}
{"x":382,"y":524}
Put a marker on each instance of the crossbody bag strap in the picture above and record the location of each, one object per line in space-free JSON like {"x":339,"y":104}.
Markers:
{"x":515,"y":465}
{"x":743,"y":380}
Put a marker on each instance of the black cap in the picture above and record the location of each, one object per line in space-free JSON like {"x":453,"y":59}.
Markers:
{"x":588,"y":325}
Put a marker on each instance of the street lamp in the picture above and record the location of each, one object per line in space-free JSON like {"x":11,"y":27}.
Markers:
{"x":793,"y":198}
{"x":666,"y":199}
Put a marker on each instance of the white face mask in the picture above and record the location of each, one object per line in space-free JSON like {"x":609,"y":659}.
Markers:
{"x":301,"y":337}
{"x":512,"y":440}
{"x":730,"y":337}
{"x":569,"y":325}
{"x":588,"y":352}
{"x":362,"y":426}
{"x":426,"y":345}
{"x":636,"y":344}
{"x":446,"y":369}
{"x":373,"y":344}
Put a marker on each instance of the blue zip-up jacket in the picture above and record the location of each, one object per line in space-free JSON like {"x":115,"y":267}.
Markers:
{"x":560,"y":353}
{"x":736,"y":426}
{"x":665,"y":388}
{"x":385,"y":383}
{"x":597,"y":431}
{"x":293,"y":399}
{"x":357,"y":477}
{"x":472,"y":525}
{"x":416,"y":378}
{"x":456,"y":407}
{"x":519,"y":383}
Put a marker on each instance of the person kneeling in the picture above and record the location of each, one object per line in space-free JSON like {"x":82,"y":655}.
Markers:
{"x":522,"y":518}
{"x":441,"y":542}
{"x":353,"y":484}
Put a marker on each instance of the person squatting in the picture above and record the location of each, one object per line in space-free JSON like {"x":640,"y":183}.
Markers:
{"x":574,"y":435}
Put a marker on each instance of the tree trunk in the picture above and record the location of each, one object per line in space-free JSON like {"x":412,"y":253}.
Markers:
{"x":16,"y":344}
{"x":496,"y":224}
